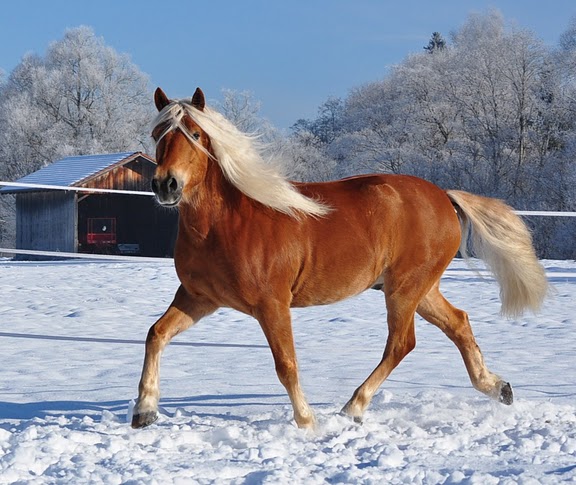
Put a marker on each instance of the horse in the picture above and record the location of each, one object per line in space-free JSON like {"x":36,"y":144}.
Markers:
{"x":251,"y":240}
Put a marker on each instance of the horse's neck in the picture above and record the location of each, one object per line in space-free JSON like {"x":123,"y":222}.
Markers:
{"x":208,"y":206}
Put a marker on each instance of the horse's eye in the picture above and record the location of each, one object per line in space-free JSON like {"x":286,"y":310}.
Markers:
{"x":196,"y":135}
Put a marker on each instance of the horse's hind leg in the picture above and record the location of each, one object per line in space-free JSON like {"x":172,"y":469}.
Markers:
{"x":401,"y":341}
{"x":182,"y":313}
{"x":455,"y":324}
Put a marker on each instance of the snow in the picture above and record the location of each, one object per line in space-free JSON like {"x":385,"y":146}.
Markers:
{"x":71,"y":340}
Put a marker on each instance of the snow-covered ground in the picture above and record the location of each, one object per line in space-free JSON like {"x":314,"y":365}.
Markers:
{"x":71,"y":349}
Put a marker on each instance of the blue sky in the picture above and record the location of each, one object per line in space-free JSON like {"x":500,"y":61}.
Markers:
{"x":292,"y":55}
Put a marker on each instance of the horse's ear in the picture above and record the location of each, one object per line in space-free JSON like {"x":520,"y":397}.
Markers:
{"x":160,"y":99}
{"x":198,"y":100}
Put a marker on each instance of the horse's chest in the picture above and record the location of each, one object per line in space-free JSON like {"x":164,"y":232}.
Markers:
{"x":215,"y":276}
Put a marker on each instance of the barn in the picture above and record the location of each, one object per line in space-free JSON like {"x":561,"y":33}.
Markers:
{"x":86,"y":222}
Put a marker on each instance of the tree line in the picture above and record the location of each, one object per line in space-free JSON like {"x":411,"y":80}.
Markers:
{"x":492,"y":110}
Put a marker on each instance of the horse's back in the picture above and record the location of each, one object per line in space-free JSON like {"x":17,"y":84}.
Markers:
{"x":387,"y":207}
{"x":393,"y":193}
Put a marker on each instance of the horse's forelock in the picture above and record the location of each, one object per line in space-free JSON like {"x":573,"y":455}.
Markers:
{"x":171,"y":117}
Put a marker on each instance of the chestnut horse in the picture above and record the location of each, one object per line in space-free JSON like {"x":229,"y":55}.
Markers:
{"x":251,"y":240}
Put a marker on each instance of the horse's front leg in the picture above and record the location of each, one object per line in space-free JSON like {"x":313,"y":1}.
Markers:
{"x":275,"y":320}
{"x":184,"y":311}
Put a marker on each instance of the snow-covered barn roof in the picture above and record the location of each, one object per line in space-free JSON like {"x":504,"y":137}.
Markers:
{"x":74,"y":171}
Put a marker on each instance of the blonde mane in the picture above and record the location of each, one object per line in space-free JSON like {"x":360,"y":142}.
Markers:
{"x":240,"y":159}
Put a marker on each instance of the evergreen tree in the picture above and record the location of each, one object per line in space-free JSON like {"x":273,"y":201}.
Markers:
{"x":436,"y":43}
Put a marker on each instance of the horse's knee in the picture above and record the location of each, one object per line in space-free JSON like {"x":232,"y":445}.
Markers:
{"x":160,"y":334}
{"x":154,"y":340}
{"x":152,"y":335}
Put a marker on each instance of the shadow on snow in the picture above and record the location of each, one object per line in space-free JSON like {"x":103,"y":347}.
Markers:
{"x":124,"y":341}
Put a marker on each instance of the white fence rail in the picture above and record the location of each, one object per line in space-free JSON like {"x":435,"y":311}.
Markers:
{"x":139,"y":192}
{"x":74,"y":189}
{"x":136,"y":192}
{"x":546,"y":213}
{"x":65,"y":255}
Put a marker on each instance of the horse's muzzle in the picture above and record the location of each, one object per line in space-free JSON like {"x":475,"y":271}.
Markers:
{"x":168,"y":190}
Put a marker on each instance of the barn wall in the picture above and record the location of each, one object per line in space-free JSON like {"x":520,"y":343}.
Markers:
{"x":46,"y":221}
{"x":135,"y":175}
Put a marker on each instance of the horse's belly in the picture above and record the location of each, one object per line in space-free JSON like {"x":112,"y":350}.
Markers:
{"x":319,"y":298}
{"x":324,"y":287}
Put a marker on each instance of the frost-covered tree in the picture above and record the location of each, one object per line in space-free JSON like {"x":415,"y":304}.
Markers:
{"x":242,"y":109}
{"x":304,"y":161}
{"x":328,"y":123}
{"x":567,"y":41}
{"x":310,"y":140}
{"x":494,"y":112}
{"x":499,"y":75}
{"x":82,"y":97}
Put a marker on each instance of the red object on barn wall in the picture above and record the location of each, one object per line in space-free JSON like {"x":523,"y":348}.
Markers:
{"x":101,"y":230}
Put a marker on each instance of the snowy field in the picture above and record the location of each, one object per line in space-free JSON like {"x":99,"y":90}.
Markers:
{"x":71,"y":340}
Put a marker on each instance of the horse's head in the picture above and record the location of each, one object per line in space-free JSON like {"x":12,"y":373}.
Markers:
{"x":182,"y":148}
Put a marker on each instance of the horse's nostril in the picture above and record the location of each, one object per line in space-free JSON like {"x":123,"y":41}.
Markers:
{"x":172,"y":184}
{"x":168,"y":189}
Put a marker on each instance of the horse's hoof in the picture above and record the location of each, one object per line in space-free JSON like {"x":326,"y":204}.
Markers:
{"x":144,"y":419}
{"x":357,"y":419}
{"x":346,"y":413}
{"x":506,"y":394}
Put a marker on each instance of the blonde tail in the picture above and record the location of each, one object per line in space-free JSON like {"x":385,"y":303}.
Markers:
{"x":501,"y":239}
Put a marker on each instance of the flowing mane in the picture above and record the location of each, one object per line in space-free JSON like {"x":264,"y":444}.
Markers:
{"x":240,"y":159}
